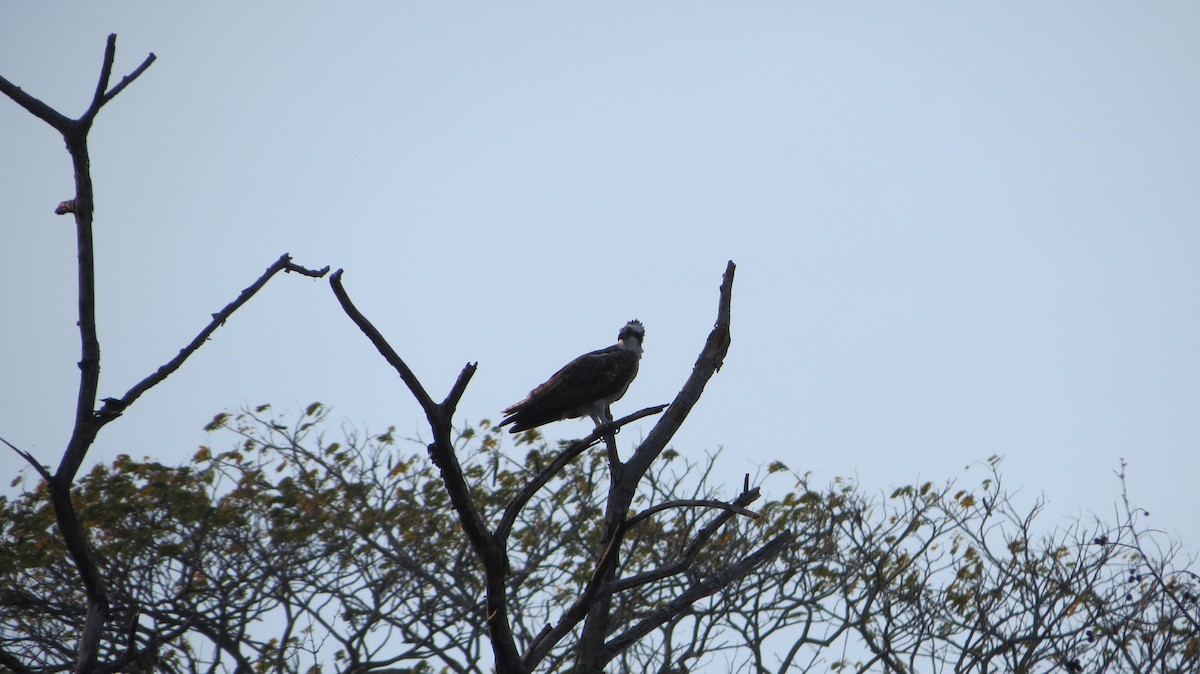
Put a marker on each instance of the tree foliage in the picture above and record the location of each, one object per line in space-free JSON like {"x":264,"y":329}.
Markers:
{"x":301,"y":548}
{"x":291,"y":551}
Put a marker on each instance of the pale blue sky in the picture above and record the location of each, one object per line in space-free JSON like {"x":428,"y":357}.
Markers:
{"x":961,"y":229}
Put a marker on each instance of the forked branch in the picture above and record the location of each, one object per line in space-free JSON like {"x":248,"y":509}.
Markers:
{"x":89,"y":420}
{"x":65,"y":125}
{"x":87,"y":425}
{"x":531,"y":488}
{"x":489,"y":548}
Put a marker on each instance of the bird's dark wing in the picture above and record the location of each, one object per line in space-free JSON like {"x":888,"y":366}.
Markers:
{"x":598,"y":375}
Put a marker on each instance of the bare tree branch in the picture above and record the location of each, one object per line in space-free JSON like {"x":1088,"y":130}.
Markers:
{"x":698,"y":591}
{"x":489,"y":548}
{"x":709,"y":362}
{"x":42,"y":470}
{"x":35,"y":107}
{"x":693,"y":549}
{"x":690,"y":503}
{"x":540,"y":647}
{"x":113,"y":406}
{"x":625,"y":477}
{"x":439,"y":420}
{"x":389,"y":354}
{"x":86,"y":427}
{"x":10,"y":661}
{"x":125,"y":81}
{"x":566,"y":456}
{"x":89,"y":420}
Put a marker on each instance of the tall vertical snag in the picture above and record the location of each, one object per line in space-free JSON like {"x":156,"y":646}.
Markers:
{"x":88,"y":418}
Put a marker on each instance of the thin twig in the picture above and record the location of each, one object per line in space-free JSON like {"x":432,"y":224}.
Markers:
{"x":128,"y":79}
{"x":106,"y":66}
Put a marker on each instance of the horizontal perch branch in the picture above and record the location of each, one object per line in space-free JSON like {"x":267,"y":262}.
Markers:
{"x":690,"y":502}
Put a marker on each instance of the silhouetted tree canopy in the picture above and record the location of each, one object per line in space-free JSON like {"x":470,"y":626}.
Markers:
{"x":298,"y":547}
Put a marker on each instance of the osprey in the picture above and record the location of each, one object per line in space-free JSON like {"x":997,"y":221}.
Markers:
{"x":584,"y":386}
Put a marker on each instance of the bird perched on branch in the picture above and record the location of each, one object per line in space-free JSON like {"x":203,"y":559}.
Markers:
{"x":587,"y":385}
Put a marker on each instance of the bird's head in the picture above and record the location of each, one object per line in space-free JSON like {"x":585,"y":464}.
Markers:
{"x":632,"y":335}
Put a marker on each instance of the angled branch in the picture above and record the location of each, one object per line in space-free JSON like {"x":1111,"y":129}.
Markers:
{"x":63,"y":124}
{"x":711,"y":357}
{"x":624,"y":477}
{"x":128,"y":79}
{"x":389,"y":354}
{"x":106,"y":66}
{"x":113,"y":407}
{"x":696,"y":592}
{"x":103,"y":94}
{"x":35,"y":107}
{"x":144,"y":659}
{"x":441,"y":449}
{"x":693,"y":550}
{"x":87,"y":424}
{"x":10,"y":661}
{"x":456,"y":392}
{"x":531,"y":488}
{"x":74,"y":132}
{"x":489,"y":548}
{"x":42,"y":470}
{"x":545,"y":642}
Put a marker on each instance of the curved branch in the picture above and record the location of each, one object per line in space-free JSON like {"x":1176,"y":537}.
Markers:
{"x":690,"y":503}
{"x":692,"y":551}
